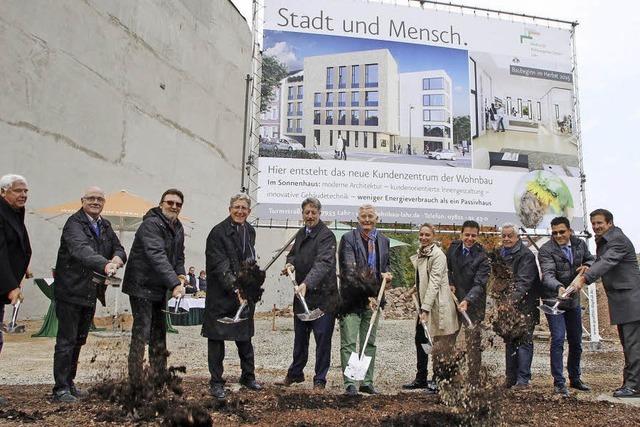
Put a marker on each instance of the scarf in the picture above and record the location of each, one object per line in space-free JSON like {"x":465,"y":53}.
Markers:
{"x":371,"y":247}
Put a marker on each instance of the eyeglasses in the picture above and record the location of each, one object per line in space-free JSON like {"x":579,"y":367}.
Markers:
{"x":560,"y":232}
{"x":92,"y":199}
{"x":172,"y":203}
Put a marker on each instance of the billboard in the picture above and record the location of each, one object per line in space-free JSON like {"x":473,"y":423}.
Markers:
{"x":428,"y":115}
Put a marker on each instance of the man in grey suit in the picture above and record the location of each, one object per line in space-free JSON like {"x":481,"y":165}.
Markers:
{"x":617,"y":265}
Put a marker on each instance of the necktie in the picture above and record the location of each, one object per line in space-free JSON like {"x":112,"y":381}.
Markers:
{"x":96,"y":228}
{"x":465,"y":251}
{"x":307,"y":231}
{"x":567,"y":254}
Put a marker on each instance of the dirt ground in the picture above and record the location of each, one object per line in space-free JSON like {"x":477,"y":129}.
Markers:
{"x":25,"y":379}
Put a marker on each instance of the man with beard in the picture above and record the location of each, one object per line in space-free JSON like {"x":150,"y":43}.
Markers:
{"x":88,"y":245}
{"x":362,"y":249}
{"x":313,"y":258}
{"x":526,"y":283}
{"x":15,"y":249}
{"x":561,"y":259}
{"x":155,"y":268}
{"x":229,"y":243}
{"x":617,"y":264}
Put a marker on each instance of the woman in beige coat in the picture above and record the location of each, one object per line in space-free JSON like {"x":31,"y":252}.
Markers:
{"x":437,"y":306}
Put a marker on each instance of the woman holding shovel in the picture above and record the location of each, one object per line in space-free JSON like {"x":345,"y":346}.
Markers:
{"x":437,"y":308}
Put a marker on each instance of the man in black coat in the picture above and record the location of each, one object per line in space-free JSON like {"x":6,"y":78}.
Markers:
{"x":526,"y":280}
{"x":155,"y":269}
{"x":313,"y":258}
{"x":15,"y":249}
{"x":362,"y":249}
{"x":617,"y":264}
{"x":88,"y":245}
{"x":229,"y":243}
{"x":469,"y":268}
{"x":561,"y":259}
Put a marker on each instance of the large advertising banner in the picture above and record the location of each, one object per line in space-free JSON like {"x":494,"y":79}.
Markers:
{"x":428,"y":115}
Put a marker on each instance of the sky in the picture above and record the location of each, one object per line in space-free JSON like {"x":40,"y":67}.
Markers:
{"x":609,"y":94}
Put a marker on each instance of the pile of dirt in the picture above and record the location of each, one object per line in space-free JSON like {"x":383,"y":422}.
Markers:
{"x":399,"y":304}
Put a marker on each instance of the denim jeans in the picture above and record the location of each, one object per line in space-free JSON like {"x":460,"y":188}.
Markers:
{"x":518,"y":359}
{"x":568,"y":323}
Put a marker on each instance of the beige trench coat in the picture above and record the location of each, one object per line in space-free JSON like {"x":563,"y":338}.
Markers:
{"x":433,"y":289}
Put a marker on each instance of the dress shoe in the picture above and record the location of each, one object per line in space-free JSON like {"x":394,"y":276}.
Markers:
{"x":217,"y":391}
{"x":78,"y":392}
{"x":351,"y":390}
{"x":626,"y":392}
{"x":368,"y":389}
{"x":579,"y":385}
{"x":561,"y":390}
{"x":520,"y":386}
{"x":319,"y":385}
{"x":415,"y":385}
{"x":287,"y":381}
{"x":64,"y":396}
{"x":251,"y":385}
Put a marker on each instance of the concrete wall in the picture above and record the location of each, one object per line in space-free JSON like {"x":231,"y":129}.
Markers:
{"x":137,"y":95}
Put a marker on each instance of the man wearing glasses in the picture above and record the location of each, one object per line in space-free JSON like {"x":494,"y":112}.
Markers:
{"x":88,"y":245}
{"x":562,"y":259}
{"x":156,"y":266}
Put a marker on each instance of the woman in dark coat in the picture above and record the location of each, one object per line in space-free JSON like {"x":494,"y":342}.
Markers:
{"x":229,"y":244}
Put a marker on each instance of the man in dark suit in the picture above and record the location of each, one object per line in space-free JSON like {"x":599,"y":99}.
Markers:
{"x":15,"y":249}
{"x":88,"y":244}
{"x":229,"y":244}
{"x":362,"y":249}
{"x":313,"y":258}
{"x":525,"y":296}
{"x":469,"y":268}
{"x":561,"y":259}
{"x":616,"y":263}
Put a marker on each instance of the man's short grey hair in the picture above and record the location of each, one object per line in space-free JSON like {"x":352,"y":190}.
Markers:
{"x":7,"y":181}
{"x":367,"y":206}
{"x":240,"y":196}
{"x":512,"y":226}
{"x":313,"y":202}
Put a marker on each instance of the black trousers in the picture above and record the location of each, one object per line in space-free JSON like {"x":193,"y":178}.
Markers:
{"x":322,"y":329}
{"x":629,"y":334}
{"x":149,"y":326}
{"x":1,"y":321}
{"x":215,"y":357}
{"x":422,"y":368}
{"x":74,"y":322}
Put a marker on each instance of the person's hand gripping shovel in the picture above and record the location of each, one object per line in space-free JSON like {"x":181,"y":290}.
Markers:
{"x":462,"y":309}
{"x":359,"y":363}
{"x":307,"y":316}
{"x":553,"y":309}
{"x":428,"y":346}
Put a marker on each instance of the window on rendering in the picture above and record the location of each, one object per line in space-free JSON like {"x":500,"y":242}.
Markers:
{"x":355,"y":76}
{"x":371,"y":98}
{"x":342,"y":117}
{"x":299,"y":111}
{"x":316,"y":117}
{"x":329,"y":77}
{"x":371,"y":75}
{"x":355,"y":99}
{"x":329,"y":120}
{"x":329,"y":99}
{"x":437,"y":131}
{"x":300,"y":92}
{"x":435,"y":116}
{"x":355,"y":117}
{"x":342,"y":99}
{"x":433,"y":100}
{"x":317,"y":99}
{"x":433,"y":83}
{"x":290,"y":109}
{"x":371,"y":118}
{"x":291,"y":92}
{"x":342,"y":77}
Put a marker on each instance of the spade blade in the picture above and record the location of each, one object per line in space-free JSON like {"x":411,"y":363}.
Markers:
{"x":311,"y":316}
{"x":229,"y":320}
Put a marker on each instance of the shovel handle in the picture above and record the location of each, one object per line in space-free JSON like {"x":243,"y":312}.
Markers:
{"x":295,"y":284}
{"x":373,"y":318}
{"x":237,"y":316}
{"x":424,"y":325}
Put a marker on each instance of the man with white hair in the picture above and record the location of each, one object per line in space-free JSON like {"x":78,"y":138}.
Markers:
{"x":360,"y":250}
{"x":526,"y":283}
{"x":15,"y":249}
{"x":88,"y":245}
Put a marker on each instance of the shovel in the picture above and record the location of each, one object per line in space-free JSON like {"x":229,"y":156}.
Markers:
{"x":359,"y":364}
{"x":13,"y":328}
{"x":465,"y":316}
{"x":554,"y":310}
{"x":307,"y":316}
{"x":236,"y":318}
{"x":428,"y":346}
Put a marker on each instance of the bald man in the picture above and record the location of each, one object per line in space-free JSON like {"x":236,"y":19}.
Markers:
{"x":88,"y":244}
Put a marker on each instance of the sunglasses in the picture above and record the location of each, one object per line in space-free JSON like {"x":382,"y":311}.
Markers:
{"x":172,"y":203}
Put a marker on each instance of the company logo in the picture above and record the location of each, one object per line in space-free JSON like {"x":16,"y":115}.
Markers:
{"x":528,"y":35}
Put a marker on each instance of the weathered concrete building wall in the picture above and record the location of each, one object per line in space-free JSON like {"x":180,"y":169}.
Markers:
{"x":136,"y":95}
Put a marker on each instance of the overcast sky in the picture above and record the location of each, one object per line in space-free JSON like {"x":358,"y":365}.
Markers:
{"x":609,"y":90}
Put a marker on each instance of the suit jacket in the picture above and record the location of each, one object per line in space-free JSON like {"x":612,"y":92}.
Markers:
{"x":15,"y":249}
{"x":558,"y":272}
{"x":469,"y":274}
{"x":526,"y":279}
{"x":225,"y":251}
{"x":314,"y":257}
{"x":81,"y":253}
{"x":617,"y":264}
